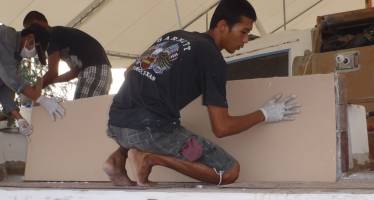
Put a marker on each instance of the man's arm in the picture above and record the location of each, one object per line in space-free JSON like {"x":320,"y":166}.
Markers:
{"x":31,"y":92}
{"x":52,"y":73}
{"x":50,"y":105}
{"x":275,"y":110}
{"x":8,"y":75}
{"x":73,"y":73}
{"x":225,"y":125}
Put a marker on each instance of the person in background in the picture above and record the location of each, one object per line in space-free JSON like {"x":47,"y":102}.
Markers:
{"x":84,"y":55}
{"x":14,"y":46}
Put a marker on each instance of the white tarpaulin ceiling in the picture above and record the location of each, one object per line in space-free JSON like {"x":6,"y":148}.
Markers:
{"x":127,"y":27}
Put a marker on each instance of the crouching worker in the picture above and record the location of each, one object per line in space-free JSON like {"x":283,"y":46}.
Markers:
{"x":14,"y":46}
{"x":175,"y":70}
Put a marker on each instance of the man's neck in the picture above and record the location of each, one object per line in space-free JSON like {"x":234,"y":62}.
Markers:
{"x":215,"y":36}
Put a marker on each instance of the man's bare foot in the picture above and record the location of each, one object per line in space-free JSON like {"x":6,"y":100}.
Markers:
{"x":115,"y":168}
{"x":142,"y":167}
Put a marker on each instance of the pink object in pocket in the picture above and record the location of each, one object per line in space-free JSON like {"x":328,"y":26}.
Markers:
{"x":192,"y":149}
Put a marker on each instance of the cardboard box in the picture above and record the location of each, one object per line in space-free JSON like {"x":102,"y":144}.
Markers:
{"x":358,"y":81}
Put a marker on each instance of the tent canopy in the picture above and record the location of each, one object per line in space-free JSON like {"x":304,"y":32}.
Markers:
{"x":127,"y":27}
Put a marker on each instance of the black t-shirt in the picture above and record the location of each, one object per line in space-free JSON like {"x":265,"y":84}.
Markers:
{"x":175,"y":70}
{"x":77,"y":48}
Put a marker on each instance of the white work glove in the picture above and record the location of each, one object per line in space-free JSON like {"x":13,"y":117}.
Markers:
{"x":51,"y":106}
{"x":24,"y":127}
{"x":280,"y":109}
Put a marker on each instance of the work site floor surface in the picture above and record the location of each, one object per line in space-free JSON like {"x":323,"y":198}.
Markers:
{"x":359,"y":181}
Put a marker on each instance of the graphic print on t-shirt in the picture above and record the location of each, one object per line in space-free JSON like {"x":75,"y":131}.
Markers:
{"x":160,"y":57}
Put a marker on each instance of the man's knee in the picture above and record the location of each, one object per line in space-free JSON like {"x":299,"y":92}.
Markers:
{"x":231,"y":175}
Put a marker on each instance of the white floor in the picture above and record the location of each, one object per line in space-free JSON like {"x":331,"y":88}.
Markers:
{"x":181,"y":194}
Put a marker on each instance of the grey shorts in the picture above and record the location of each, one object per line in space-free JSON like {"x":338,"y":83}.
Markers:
{"x":177,"y":142}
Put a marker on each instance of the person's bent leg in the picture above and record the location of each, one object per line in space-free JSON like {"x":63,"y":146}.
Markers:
{"x":143,"y":163}
{"x":7,"y":102}
{"x":16,"y":115}
{"x":115,"y":168}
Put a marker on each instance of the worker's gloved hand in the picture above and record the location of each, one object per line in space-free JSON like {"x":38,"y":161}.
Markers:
{"x":52,"y":107}
{"x":279,"y":108}
{"x":24,"y":127}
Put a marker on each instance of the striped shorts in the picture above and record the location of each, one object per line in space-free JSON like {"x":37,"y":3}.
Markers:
{"x":93,"y":81}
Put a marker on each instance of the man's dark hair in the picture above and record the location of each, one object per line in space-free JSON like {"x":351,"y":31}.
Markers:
{"x":231,"y":11}
{"x":33,"y":16}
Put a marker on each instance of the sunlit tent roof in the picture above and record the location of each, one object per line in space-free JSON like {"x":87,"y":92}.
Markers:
{"x":127,"y":27}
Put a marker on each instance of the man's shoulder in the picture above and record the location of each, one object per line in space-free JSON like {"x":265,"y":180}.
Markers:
{"x":4,"y":29}
{"x":63,"y":33}
{"x":185,"y":34}
{"x":178,"y":32}
{"x":9,"y":36}
{"x":200,"y":40}
{"x":63,"y":29}
{"x":206,"y":44}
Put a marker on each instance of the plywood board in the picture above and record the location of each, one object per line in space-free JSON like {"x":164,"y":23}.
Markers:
{"x":73,"y":149}
{"x":302,"y":150}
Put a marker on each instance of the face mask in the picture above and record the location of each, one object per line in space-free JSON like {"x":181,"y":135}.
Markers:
{"x":28,"y":53}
